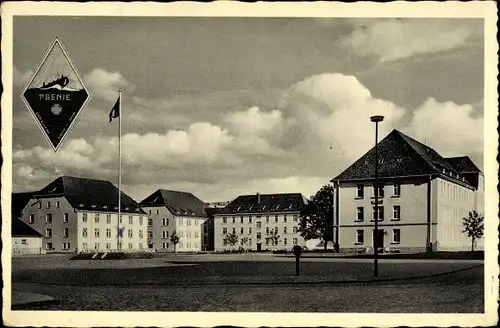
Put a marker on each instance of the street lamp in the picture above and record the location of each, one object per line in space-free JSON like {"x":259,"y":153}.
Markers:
{"x":376,"y":119}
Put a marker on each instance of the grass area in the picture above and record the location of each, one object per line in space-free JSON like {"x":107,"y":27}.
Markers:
{"x":112,"y":256}
{"x":477,"y":255}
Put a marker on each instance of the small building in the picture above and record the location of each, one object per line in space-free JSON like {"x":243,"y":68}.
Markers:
{"x":81,"y":215}
{"x":175,"y":211}
{"x":25,"y":240}
{"x":252,"y":218}
{"x":423,"y":198}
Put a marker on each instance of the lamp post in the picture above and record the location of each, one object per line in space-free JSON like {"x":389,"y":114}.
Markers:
{"x":376,"y":119}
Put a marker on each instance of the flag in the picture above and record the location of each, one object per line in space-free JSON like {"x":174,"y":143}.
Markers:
{"x":115,"y":111}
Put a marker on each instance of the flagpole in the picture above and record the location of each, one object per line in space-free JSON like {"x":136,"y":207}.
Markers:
{"x":119,"y":165}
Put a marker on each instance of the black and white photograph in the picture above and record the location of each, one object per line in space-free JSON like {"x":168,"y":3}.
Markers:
{"x":249,"y":164}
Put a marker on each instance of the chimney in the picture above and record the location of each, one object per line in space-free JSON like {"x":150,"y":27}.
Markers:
{"x":258,"y":198}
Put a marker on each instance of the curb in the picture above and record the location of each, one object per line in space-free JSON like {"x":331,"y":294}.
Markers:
{"x":30,"y":299}
{"x":290,"y":280}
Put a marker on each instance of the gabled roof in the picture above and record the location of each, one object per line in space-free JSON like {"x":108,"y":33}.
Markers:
{"x":177,"y":202}
{"x":463,"y":164}
{"x":19,"y":201}
{"x":21,"y":229}
{"x":265,"y":203}
{"x":89,"y":194}
{"x":399,"y":156}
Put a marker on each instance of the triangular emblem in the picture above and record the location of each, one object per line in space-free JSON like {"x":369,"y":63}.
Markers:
{"x":55,"y":95}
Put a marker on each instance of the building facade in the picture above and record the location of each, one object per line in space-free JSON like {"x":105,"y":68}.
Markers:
{"x":422,"y":199}
{"x":176,"y":212}
{"x":252,"y":218}
{"x":25,"y":240}
{"x":81,"y":215}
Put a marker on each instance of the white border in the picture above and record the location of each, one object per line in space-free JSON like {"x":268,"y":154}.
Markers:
{"x":32,"y":112}
{"x":486,"y":10}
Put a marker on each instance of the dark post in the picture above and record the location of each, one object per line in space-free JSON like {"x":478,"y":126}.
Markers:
{"x":297,"y":250}
{"x":376,"y":119}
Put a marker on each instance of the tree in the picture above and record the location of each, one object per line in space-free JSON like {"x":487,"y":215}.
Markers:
{"x":273,"y":237}
{"x":316,"y":219}
{"x":230,"y":239}
{"x":474,"y":227}
{"x":174,"y":239}
{"x":244,"y":242}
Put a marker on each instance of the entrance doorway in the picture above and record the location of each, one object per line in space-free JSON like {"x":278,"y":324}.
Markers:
{"x":259,"y":247}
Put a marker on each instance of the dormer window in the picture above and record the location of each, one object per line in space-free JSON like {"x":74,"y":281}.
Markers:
{"x":289,"y":207}
{"x":93,"y":206}
{"x":81,"y":205}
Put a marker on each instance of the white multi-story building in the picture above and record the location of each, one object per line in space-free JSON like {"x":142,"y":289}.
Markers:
{"x":81,"y":215}
{"x":423,"y":196}
{"x":175,"y":211}
{"x":252,"y":218}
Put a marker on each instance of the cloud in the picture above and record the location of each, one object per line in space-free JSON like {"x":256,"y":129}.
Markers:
{"x":105,"y":85}
{"x":393,"y":39}
{"x":449,"y":128}
{"x":253,"y":121}
{"x":21,"y":78}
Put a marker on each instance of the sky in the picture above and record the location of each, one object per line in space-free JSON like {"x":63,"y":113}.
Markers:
{"x":222,"y":107}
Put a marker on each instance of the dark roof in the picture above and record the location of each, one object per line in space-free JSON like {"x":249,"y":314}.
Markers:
{"x":463,"y":164}
{"x":177,"y":202}
{"x":269,"y":203}
{"x":211,"y":211}
{"x":19,"y":201}
{"x":89,"y":194}
{"x":399,"y":156}
{"x":21,"y":229}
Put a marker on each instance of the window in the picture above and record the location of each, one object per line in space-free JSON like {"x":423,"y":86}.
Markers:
{"x":360,"y":191}
{"x":48,"y":246}
{"x":267,"y":241}
{"x":224,"y":219}
{"x":188,"y":245}
{"x":84,"y":217}
{"x":267,"y":219}
{"x":295,"y":218}
{"x":84,"y":245}
{"x":396,"y":192}
{"x":164,"y":245}
{"x":121,"y":219}
{"x":65,"y":217}
{"x":58,"y":204}
{"x":295,"y":241}
{"x":129,"y":245}
{"x":284,"y":241}
{"x":360,"y":236}
{"x":96,"y":219}
{"x":259,"y":235}
{"x":48,"y":204}
{"x":66,"y":233}
{"x":250,"y":230}
{"x":130,"y":233}
{"x":163,"y":222}
{"x":108,"y":218}
{"x":108,"y":245}
{"x":140,"y":220}
{"x":224,"y":231}
{"x":276,"y":218}
{"x":96,"y":232}
{"x":141,"y":235}
{"x":284,"y":218}
{"x":66,"y":246}
{"x":380,"y":191}
{"x":24,"y":241}
{"x":258,"y":225}
{"x":140,"y":246}
{"x":250,"y":219}
{"x":157,"y":212}
{"x":32,"y":218}
{"x":196,"y":235}
{"x":84,"y":232}
{"x":234,"y":220}
{"x":108,"y":233}
{"x":241,"y":231}
{"x":48,"y":233}
{"x":168,"y":221}
{"x":48,"y":218}
{"x":39,"y":205}
{"x":284,"y":229}
{"x":164,"y":234}
{"x":130,"y":219}
{"x":150,"y":222}
{"x":396,"y":210}
{"x":380,"y":215}
{"x":294,"y":229}
{"x":396,"y":236}
{"x":249,"y":241}
{"x":97,"y":246}
{"x":360,"y":214}
{"x":241,"y":219}
{"x":267,"y":230}
{"x":150,"y":234}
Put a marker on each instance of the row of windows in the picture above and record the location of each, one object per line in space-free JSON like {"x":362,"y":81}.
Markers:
{"x":166,"y":234}
{"x":180,"y":245}
{"x":258,"y":217}
{"x":284,"y":241}
{"x":453,"y":191}
{"x":65,"y":246}
{"x":396,"y":213}
{"x":130,"y":233}
{"x":108,"y":218}
{"x":396,"y":236}
{"x":268,"y":230}
{"x":396,"y":191}
{"x":48,"y":218}
{"x":47,"y":204}
{"x":48,"y":233}
{"x":97,"y":246}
